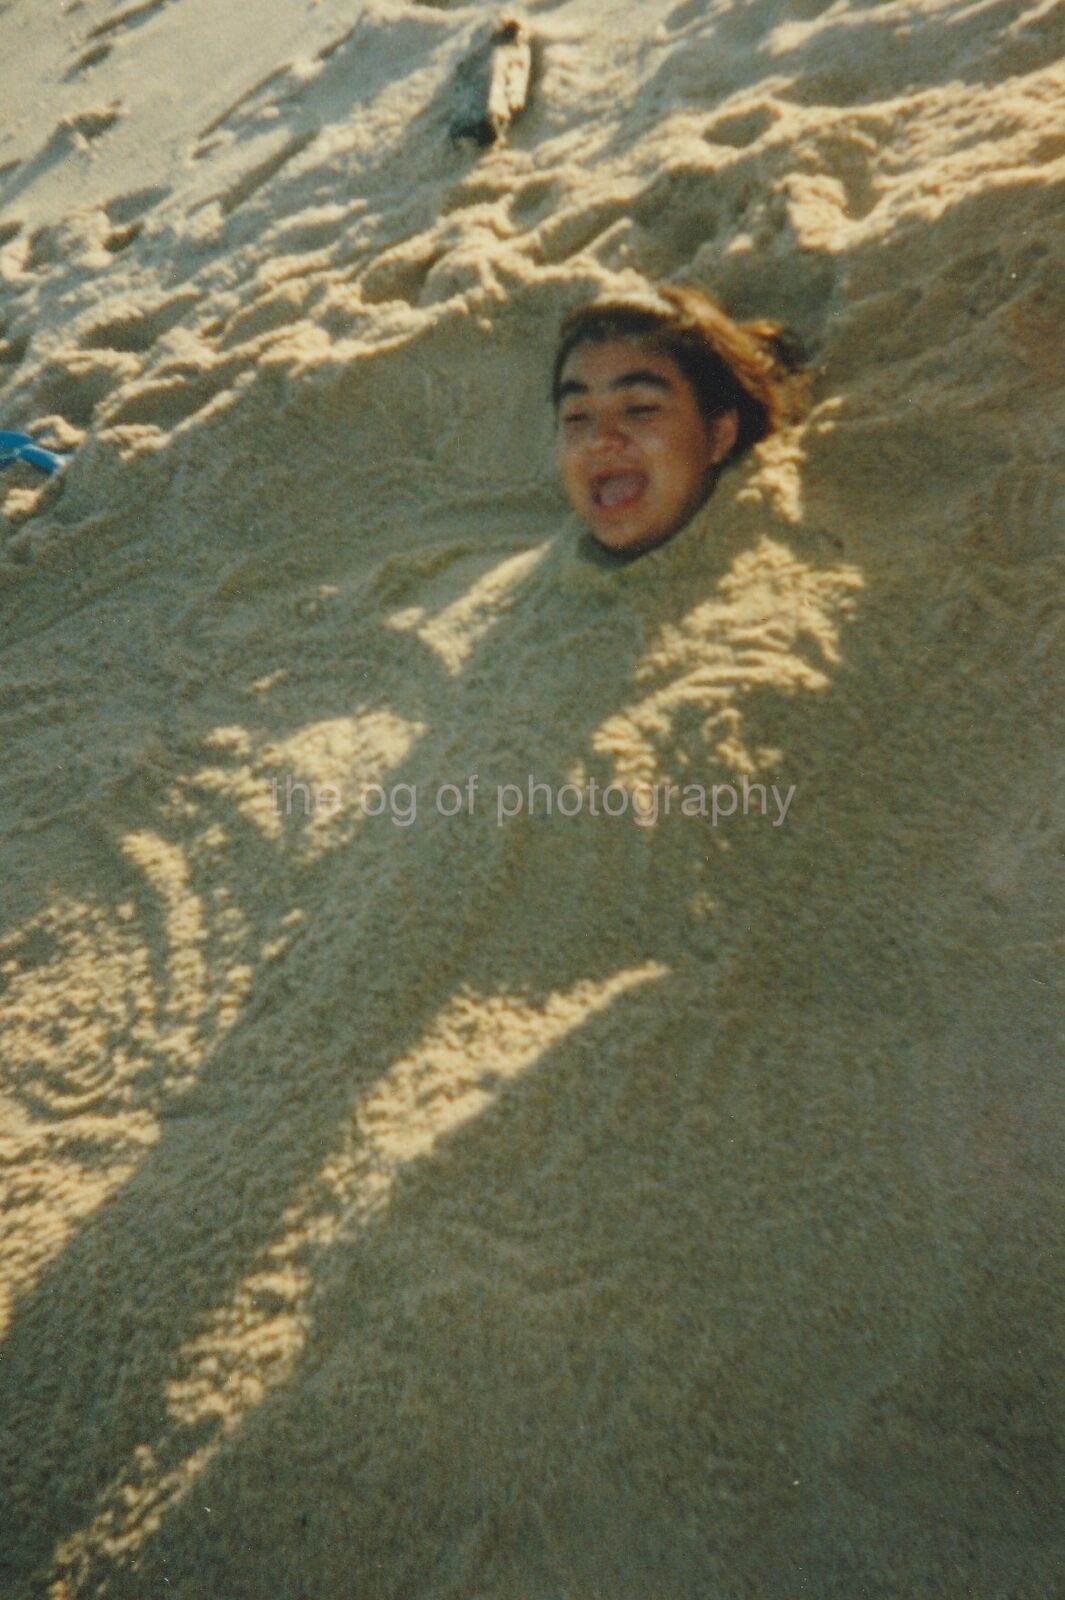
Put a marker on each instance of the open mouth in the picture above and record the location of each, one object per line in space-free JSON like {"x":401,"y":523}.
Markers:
{"x":616,"y":491}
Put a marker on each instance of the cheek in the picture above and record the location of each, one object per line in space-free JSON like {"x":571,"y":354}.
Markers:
{"x":567,"y":452}
{"x":693,"y":450}
{"x":565,"y":460}
{"x":677,"y":456}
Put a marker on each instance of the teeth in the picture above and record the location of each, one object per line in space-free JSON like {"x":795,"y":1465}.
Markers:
{"x":612,"y":491}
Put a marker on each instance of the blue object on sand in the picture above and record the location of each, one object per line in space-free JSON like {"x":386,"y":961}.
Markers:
{"x":20,"y":447}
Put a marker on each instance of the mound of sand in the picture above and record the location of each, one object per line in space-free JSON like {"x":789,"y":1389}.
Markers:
{"x":403,"y":1204}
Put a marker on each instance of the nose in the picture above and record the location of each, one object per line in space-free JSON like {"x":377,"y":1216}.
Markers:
{"x":606,"y":429}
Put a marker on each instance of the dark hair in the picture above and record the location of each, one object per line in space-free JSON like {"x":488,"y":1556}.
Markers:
{"x":747,"y":367}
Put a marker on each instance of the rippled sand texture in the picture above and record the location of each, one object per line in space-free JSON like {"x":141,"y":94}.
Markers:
{"x":569,"y":1208}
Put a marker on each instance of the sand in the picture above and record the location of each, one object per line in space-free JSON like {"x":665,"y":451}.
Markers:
{"x":551,"y":1207}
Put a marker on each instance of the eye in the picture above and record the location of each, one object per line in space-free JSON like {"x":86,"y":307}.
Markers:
{"x":644,"y":409}
{"x":573,"y":418}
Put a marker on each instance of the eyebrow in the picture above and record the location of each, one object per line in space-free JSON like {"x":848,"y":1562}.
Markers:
{"x":628,"y":380}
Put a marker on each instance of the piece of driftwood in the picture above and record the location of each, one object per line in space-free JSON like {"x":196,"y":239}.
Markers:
{"x":492,"y":83}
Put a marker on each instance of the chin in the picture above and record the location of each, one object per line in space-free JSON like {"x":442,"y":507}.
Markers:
{"x":632,"y":542}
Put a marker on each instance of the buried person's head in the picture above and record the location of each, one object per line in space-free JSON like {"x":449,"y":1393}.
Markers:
{"x":653,"y":396}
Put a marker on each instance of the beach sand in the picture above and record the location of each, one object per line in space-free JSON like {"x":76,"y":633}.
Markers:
{"x":425,"y":1207}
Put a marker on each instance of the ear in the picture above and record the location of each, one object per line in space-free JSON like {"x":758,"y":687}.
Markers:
{"x":722,"y":433}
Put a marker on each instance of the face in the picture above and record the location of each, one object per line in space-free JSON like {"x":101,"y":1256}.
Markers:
{"x":635,"y":452}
